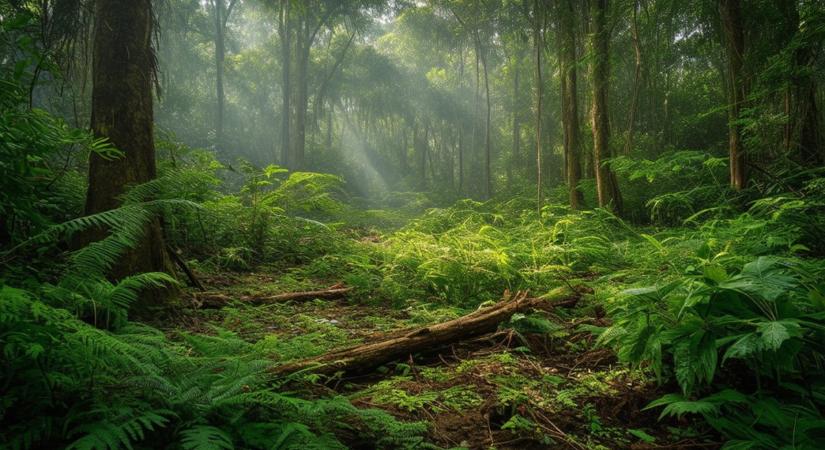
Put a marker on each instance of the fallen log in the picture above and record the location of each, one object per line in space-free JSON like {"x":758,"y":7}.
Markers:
{"x":217,"y":299}
{"x":362,"y":358}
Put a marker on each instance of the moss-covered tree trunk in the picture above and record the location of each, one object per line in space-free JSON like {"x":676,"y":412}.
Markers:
{"x":607,"y":189}
{"x":122,"y":75}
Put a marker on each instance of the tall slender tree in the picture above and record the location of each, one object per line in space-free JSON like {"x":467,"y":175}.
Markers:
{"x":637,"y":77}
{"x":607,"y":189}
{"x":732,"y":26}
{"x":566,"y":28}
{"x":515,"y":155}
{"x":488,"y":177}
{"x":802,"y":134}
{"x":538,"y":47}
{"x":285,"y":40}
{"x":222,"y":11}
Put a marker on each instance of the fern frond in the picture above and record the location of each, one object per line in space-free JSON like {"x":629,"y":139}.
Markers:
{"x":205,"y":437}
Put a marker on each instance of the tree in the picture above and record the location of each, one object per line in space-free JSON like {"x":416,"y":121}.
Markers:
{"x":569,"y":99}
{"x":122,"y":76}
{"x":222,"y":13}
{"x":732,"y":27}
{"x":637,"y":77}
{"x":285,"y":37}
{"x":607,"y":189}
{"x":472,"y":24}
{"x":309,"y":19}
{"x":802,"y":135}
{"x":538,"y":44}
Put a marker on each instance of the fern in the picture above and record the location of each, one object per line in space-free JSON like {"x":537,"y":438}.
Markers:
{"x":205,"y":437}
{"x":113,"y":427}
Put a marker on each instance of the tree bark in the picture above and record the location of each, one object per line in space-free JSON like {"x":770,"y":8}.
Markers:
{"x":732,"y":26}
{"x":606,"y":187}
{"x":569,"y":101}
{"x":122,"y":111}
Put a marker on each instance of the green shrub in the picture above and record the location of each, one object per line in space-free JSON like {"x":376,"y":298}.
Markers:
{"x":762,"y":325}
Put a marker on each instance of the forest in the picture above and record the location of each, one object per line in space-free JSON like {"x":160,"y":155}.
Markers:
{"x":412,"y":224}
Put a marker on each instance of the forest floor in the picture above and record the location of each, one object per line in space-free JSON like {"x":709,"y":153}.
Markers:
{"x":507,"y":389}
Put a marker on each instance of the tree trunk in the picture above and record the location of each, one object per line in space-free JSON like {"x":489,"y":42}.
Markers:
{"x":569,"y":101}
{"x":637,"y":79}
{"x":220,"y":9}
{"x":731,"y":13}
{"x":122,"y":74}
{"x":801,"y":135}
{"x":402,"y":154}
{"x":538,"y":44}
{"x":285,"y":35}
{"x":461,"y":128}
{"x":460,"y":159}
{"x":488,"y":182}
{"x":606,"y":187}
{"x":322,"y":91}
{"x":303,"y":45}
{"x":330,"y":109}
{"x":810,"y":137}
{"x":425,"y":147}
{"x":476,"y":107}
{"x":515,"y":158}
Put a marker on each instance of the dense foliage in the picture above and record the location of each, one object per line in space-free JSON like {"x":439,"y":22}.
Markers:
{"x":401,"y":154}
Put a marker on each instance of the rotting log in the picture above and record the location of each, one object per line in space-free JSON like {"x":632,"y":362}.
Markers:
{"x":363,"y":358}
{"x":216,"y":299}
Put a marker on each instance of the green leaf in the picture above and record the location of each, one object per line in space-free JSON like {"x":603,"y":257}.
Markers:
{"x":205,"y":437}
{"x":776,"y":332}
{"x":715,"y":273}
{"x":644,"y":437}
{"x":654,"y":242}
{"x":744,"y":347}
